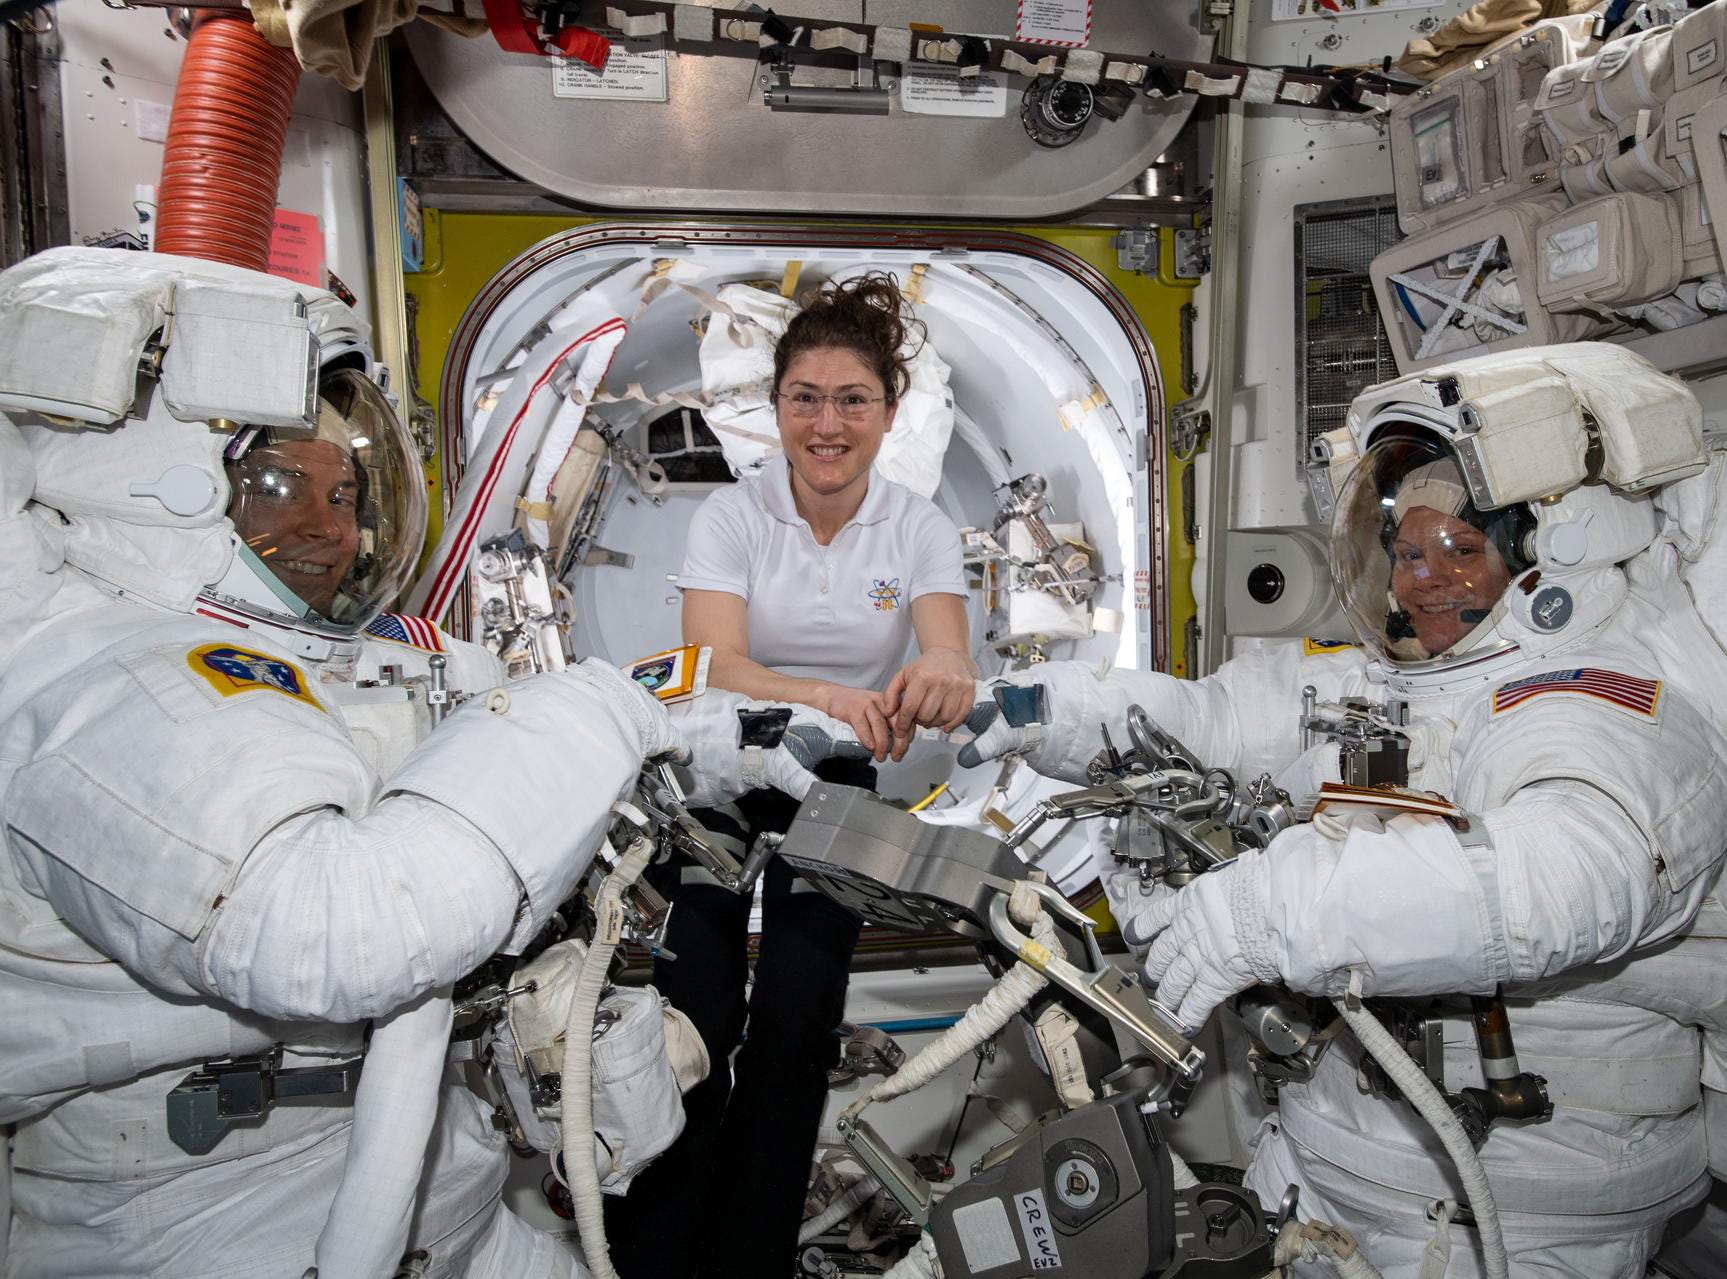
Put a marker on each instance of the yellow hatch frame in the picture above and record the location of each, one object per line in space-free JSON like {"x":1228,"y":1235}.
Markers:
{"x":463,"y":251}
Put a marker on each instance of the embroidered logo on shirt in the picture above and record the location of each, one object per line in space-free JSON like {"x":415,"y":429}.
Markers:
{"x":1640,"y":696}
{"x":885,"y":594}
{"x":232,"y":671}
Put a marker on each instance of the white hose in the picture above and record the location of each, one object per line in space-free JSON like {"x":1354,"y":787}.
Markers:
{"x":844,"y":1205}
{"x":1415,"y":1086}
{"x":982,"y":1020}
{"x":1321,"y":1241}
{"x":395,"y":1110}
{"x":576,"y":1105}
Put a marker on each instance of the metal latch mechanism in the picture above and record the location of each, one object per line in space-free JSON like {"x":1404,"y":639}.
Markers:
{"x":212,"y":1099}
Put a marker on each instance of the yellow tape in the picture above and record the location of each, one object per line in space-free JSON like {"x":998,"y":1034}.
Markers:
{"x":789,"y":281}
{"x":1036,"y":954}
{"x":913,"y":290}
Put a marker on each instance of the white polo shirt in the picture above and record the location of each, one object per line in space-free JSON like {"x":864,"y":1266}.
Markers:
{"x":840,"y":612}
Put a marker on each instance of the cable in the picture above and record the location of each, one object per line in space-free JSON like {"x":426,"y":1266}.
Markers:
{"x":1403,"y":297}
{"x":1431,"y":1106}
{"x":928,"y":799}
{"x":577,"y":1102}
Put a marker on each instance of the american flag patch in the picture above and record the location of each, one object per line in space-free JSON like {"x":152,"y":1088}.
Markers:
{"x":1640,"y":696}
{"x":399,"y":628}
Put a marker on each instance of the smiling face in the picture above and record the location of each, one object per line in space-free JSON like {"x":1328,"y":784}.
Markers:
{"x":1447,"y":574}
{"x":296,"y":506}
{"x":830,"y":452}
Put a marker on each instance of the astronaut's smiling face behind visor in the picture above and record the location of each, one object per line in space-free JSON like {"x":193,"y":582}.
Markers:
{"x":296,"y":505}
{"x":1447,"y":574}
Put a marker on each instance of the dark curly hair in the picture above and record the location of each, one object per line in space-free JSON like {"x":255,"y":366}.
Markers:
{"x":867,"y":316}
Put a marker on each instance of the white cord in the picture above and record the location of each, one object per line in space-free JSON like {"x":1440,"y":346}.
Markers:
{"x":1426,"y":1099}
{"x":982,"y":1020}
{"x":576,"y":1106}
{"x":1321,"y":1241}
{"x":844,"y":1205}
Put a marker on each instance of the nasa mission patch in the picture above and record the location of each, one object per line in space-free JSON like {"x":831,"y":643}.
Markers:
{"x":232,"y":671}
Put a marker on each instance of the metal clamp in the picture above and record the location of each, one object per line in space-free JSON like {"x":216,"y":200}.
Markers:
{"x":212,"y":1099}
{"x":1107,"y":991}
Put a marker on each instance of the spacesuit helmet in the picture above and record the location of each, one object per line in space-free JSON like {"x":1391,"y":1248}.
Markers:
{"x":328,"y":523}
{"x":1421,"y":571}
{"x":1482,"y":511}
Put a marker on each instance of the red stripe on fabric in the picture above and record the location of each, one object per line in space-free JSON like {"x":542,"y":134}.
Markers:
{"x":442,"y":585}
{"x":218,"y":617}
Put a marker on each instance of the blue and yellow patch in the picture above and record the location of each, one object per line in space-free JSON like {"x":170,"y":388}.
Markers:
{"x":232,"y":671}
{"x":1314,"y":647}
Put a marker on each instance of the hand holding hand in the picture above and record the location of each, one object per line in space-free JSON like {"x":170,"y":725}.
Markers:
{"x":866,"y":712}
{"x":937,"y":690}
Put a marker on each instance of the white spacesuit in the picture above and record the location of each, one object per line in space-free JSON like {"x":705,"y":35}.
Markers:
{"x":217,"y":842}
{"x":1499,"y":552}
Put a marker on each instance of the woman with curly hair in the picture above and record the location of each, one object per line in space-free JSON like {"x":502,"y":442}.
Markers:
{"x":809,"y":581}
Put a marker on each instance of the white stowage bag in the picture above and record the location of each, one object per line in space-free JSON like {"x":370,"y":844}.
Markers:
{"x":646,"y":1057}
{"x":737,"y":357}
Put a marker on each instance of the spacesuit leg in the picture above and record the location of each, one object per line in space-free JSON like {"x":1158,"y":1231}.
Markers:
{"x":709,"y":933}
{"x":1394,"y":1232}
{"x":510,"y":1248}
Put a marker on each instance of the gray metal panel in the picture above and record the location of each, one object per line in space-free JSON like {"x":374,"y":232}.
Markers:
{"x":715,"y":146}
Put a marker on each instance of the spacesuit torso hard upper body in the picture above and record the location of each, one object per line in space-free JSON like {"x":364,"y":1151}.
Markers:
{"x":203,"y":858}
{"x":1570,"y":716}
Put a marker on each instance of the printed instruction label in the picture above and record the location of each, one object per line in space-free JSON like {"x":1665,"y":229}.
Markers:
{"x":1039,"y":1234}
{"x":297,"y":248}
{"x":635,"y":71}
{"x":1064,"y":22}
{"x":930,"y":88}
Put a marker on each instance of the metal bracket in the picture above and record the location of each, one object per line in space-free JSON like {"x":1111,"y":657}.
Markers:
{"x":1137,"y":248}
{"x":601,"y":557}
{"x":896,"y":1175}
{"x":864,"y":97}
{"x":1192,"y":424}
{"x":1192,"y":252}
{"x":212,"y":1099}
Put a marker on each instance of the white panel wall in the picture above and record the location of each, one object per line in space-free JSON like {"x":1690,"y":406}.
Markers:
{"x":1294,"y":156}
{"x":117,"y":82}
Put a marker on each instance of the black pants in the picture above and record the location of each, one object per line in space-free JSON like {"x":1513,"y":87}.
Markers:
{"x":727,"y":1198}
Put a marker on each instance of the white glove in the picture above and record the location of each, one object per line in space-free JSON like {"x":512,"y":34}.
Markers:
{"x":657,"y":733}
{"x":718,"y":768}
{"x":1134,"y":908}
{"x":1061,"y":748}
{"x":1211,"y":940}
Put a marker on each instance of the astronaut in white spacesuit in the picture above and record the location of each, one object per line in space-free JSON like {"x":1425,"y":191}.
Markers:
{"x":217,"y":842}
{"x":1500,"y":555}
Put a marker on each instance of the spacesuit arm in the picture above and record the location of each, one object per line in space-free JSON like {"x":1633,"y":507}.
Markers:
{"x":339,"y":907}
{"x":1244,"y":716}
{"x":1567,"y":879}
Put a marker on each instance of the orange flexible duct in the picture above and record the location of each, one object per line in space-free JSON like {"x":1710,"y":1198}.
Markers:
{"x":217,"y":197}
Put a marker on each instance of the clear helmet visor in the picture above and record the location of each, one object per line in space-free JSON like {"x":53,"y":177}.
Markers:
{"x":1420,"y":572}
{"x":336,"y":519}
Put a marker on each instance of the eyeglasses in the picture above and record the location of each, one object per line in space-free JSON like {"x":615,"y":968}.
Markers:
{"x":807,"y":404}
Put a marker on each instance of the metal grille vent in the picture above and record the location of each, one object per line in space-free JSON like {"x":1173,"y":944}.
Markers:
{"x":1341,"y":348}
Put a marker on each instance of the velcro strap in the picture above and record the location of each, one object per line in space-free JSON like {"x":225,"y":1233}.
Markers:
{"x":754,"y":758}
